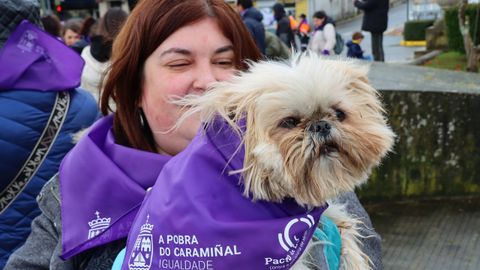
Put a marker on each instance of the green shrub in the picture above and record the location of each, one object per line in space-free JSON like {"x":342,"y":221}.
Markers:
{"x":455,"y":39}
{"x":415,"y":30}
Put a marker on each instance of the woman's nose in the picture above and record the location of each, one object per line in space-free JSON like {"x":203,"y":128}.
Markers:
{"x":204,"y":76}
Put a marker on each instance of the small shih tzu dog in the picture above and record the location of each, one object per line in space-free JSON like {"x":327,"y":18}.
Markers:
{"x":280,"y":141}
{"x":315,"y":128}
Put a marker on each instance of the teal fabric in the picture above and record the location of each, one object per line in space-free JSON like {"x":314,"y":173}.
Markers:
{"x":117,"y":264}
{"x":328,"y":233}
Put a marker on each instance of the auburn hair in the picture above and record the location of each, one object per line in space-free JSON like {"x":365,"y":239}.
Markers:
{"x":151,"y":23}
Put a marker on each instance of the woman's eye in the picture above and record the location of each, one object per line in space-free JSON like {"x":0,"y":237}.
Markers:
{"x":178,"y":64}
{"x":289,"y":122}
{"x":340,"y":115}
{"x":226,"y":63}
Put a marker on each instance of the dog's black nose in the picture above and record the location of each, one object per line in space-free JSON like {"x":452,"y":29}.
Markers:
{"x":321,"y":127}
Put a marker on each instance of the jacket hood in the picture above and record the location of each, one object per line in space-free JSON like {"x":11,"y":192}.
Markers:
{"x":328,"y":20}
{"x":34,"y":60}
{"x":13,"y":12}
{"x":254,"y":14}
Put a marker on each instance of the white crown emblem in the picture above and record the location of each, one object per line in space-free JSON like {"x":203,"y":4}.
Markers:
{"x":142,"y":253}
{"x":147,"y":227}
{"x":98,"y":225}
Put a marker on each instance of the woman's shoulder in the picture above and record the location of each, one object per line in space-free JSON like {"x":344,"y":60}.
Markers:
{"x":329,"y":27}
{"x":49,"y":200}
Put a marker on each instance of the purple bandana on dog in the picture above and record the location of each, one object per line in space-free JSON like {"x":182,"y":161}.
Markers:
{"x":32,"y":58}
{"x":102,"y":186}
{"x":195,"y":216}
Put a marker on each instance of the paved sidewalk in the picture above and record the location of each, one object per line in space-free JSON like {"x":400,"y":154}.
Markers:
{"x":436,"y":234}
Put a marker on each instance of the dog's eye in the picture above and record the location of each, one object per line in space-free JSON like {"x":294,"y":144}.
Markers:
{"x":340,"y":115}
{"x":289,"y":122}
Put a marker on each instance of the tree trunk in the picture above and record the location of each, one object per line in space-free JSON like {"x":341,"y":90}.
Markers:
{"x":470,"y":50}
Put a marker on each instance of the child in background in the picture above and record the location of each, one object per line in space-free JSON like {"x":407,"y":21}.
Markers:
{"x":354,"y":49}
{"x":303,"y":32}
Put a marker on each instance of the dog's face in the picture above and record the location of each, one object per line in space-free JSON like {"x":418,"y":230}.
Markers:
{"x":315,"y":127}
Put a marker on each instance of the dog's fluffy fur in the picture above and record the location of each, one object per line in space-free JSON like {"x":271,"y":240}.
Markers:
{"x":315,"y":129}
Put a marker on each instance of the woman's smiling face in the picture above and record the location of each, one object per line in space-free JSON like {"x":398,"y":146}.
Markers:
{"x":187,"y":62}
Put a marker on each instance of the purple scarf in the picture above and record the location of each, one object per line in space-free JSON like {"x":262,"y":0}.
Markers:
{"x":195,"y":216}
{"x":33,"y":60}
{"x":102,"y":185}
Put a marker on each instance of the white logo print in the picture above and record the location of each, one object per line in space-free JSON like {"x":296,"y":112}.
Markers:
{"x":285,"y":240}
{"x":97,"y":225}
{"x":141,"y":258}
{"x":292,"y":247}
{"x":27,"y":41}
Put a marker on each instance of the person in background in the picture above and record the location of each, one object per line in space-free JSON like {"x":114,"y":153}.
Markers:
{"x":303,"y":32}
{"x":293,"y":22}
{"x":51,"y":24}
{"x":156,"y":55}
{"x":97,"y":54}
{"x":40,"y":111}
{"x":253,"y":20}
{"x":294,"y":27}
{"x":84,"y":33}
{"x":323,"y":39}
{"x":85,"y":30}
{"x":354,"y":48}
{"x":375,"y":21}
{"x":71,"y":31}
{"x":284,"y":30}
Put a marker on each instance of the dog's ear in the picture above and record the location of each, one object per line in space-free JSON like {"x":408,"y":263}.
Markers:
{"x":358,"y":73}
{"x":263,"y":164}
{"x":254,"y":172}
{"x":361,"y":88}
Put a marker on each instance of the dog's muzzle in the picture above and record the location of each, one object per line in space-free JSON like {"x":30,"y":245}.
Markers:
{"x":320,"y":133}
{"x":321,"y":128}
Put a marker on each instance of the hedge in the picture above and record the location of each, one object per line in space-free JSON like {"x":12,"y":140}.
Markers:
{"x":455,"y":39}
{"x":415,"y":30}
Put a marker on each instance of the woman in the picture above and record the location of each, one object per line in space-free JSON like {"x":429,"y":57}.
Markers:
{"x":166,"y":48}
{"x":97,"y":54}
{"x":284,"y":29}
{"x":323,"y":40}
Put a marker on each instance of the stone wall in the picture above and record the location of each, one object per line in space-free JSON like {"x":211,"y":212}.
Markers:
{"x":437,"y":151}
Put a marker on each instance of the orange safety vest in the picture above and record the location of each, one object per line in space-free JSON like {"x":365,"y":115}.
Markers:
{"x":304,"y":28}
{"x":293,"y":23}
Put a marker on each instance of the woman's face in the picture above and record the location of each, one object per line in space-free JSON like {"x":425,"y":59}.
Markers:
{"x":317,"y":22}
{"x":185,"y":63}
{"x":70,"y":37}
